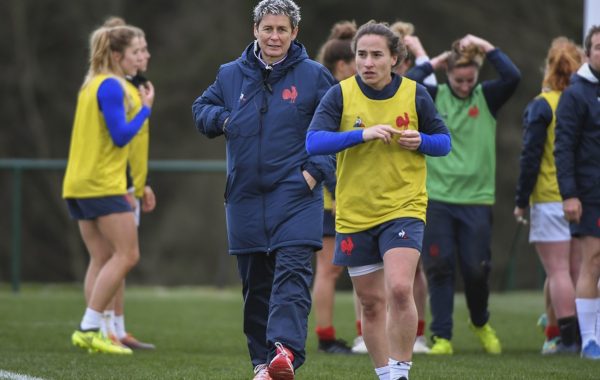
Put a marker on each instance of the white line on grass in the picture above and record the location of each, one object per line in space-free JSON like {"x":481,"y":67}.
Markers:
{"x":6,"y":375}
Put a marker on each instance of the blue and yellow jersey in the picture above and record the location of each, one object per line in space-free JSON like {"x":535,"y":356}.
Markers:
{"x":376,"y":182}
{"x":96,"y":166}
{"x":138,"y":149}
{"x":546,"y":186}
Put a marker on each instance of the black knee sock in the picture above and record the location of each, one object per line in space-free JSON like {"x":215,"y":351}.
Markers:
{"x":569,"y":330}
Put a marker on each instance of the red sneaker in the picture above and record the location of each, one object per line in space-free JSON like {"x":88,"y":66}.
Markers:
{"x":261,"y":372}
{"x":281,"y":367}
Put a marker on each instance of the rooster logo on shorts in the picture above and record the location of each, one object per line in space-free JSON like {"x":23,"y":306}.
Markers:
{"x":347,"y":246}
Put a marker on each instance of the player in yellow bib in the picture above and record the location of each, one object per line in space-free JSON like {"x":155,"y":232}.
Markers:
{"x":381,"y":126}
{"x":538,"y":186}
{"x":109,"y":114}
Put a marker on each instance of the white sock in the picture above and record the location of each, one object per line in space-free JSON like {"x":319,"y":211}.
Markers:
{"x":597,"y":331}
{"x":383,"y":373}
{"x":587,"y":315}
{"x":398,"y":369}
{"x":109,"y":321}
{"x":120,"y":326}
{"x":92,"y":320}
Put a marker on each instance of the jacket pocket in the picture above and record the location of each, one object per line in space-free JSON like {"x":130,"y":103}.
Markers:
{"x":305,"y":186}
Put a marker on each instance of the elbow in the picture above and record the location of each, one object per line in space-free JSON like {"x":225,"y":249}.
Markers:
{"x":448,"y":146}
{"x":310,"y":150}
{"x":309,"y":144}
{"x":119,"y":141}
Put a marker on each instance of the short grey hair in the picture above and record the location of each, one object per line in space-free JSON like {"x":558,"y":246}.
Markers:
{"x":277,"y":7}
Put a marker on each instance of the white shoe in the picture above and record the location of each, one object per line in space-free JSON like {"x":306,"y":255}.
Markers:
{"x":359,"y":346}
{"x":420,"y":346}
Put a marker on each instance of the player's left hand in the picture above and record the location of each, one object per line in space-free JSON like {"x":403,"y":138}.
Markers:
{"x":148,"y":199}
{"x":310,"y":180}
{"x":409,"y":139}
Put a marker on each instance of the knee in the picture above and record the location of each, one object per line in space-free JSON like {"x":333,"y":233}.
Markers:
{"x":372,"y":306}
{"x":478,"y":272}
{"x":401,"y":294}
{"x":131,"y":258}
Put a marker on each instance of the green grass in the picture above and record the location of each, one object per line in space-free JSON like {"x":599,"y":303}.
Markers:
{"x":198,"y":335}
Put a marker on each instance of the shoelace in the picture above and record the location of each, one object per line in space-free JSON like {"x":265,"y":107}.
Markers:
{"x":281,"y":349}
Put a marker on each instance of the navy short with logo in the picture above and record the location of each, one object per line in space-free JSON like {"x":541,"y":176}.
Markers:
{"x":589,"y":223}
{"x":92,"y":208}
{"x":368,"y":247}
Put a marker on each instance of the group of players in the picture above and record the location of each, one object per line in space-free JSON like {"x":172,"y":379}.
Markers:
{"x":284,"y":116}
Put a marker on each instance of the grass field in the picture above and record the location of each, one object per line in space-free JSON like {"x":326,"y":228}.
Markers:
{"x":198,"y":335}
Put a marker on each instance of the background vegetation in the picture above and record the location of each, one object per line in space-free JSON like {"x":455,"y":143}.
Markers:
{"x":43,"y":61}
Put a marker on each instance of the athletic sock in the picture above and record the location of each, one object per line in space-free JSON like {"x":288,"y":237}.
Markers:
{"x":358,"y":328}
{"x":326,"y":333}
{"x":420,"y":327}
{"x":597,"y":319}
{"x":586,"y":314}
{"x":109,"y":320}
{"x":398,"y":369}
{"x":91,"y":320}
{"x":551,"y":332}
{"x":568,"y":330}
{"x":120,"y":326}
{"x":383,"y":373}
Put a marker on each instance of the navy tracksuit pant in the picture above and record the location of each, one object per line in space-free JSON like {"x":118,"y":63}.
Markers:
{"x":454,"y":232}
{"x":277,"y":301}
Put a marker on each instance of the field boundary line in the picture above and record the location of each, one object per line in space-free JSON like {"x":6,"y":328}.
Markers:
{"x":7,"y":375}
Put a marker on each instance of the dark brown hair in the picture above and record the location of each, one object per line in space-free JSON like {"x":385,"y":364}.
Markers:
{"x":394,"y":43}
{"x":587,"y":42}
{"x":338,"y":46}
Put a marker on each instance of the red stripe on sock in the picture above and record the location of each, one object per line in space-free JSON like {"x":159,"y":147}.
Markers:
{"x":552,"y":332}
{"x":325,"y":333}
{"x":358,"y":328}
{"x":421,"y":327}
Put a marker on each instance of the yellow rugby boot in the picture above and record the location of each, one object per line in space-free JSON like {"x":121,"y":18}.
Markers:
{"x":95,"y":341}
{"x":440,"y":346}
{"x":488,"y":338}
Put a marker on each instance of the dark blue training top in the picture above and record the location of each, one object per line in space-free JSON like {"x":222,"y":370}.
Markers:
{"x":536,"y":119}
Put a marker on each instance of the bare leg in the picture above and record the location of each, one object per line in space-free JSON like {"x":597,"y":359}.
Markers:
{"x":370,"y":289}
{"x":324,"y":286}
{"x":357,"y":308}
{"x":400,"y":267}
{"x":555,"y":258}
{"x":120,"y":230}
{"x":587,"y":284}
{"x":119,"y":300}
{"x":99,"y":250}
{"x":420,"y":292}
{"x":550,"y":316}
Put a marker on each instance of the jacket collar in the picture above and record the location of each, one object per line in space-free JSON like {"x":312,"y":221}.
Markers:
{"x":251,"y":64}
{"x":586,"y":73}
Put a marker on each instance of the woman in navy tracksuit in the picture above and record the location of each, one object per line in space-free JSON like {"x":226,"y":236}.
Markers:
{"x":577,"y":157}
{"x":263,"y":103}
